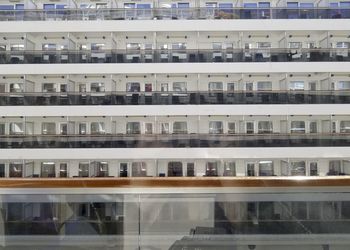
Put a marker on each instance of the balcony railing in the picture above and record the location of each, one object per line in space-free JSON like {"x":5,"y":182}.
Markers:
{"x":175,"y":212}
{"x":175,"y":141}
{"x":174,"y":98}
{"x":175,"y":13}
{"x":175,"y":56}
{"x":323,"y":183}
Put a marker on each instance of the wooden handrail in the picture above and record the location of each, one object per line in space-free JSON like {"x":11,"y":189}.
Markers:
{"x":176,"y":182}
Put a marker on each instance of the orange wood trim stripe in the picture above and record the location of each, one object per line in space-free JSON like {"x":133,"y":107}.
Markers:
{"x":173,"y":182}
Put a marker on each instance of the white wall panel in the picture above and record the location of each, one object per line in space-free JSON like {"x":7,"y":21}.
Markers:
{"x":176,"y":68}
{"x":177,"y":110}
{"x":176,"y":25}
{"x":177,"y":153}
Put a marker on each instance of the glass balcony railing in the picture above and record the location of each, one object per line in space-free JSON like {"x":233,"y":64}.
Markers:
{"x":174,"y":98}
{"x":175,"y":141}
{"x":175,"y":13}
{"x":210,"y":213}
{"x":175,"y":56}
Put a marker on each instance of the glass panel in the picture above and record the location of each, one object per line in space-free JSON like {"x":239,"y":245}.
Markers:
{"x":49,"y":87}
{"x":216,"y":127}
{"x":133,"y":128}
{"x":6,"y":7}
{"x":133,"y":87}
{"x":164,"y":128}
{"x":49,"y":46}
{"x":16,"y":170}
{"x":97,"y":87}
{"x":217,"y":46}
{"x":211,"y":169}
{"x":230,"y":169}
{"x":265,"y":127}
{"x":179,"y":46}
{"x":100,"y":168}
{"x":264,"y":86}
{"x":48,"y":128}
{"x":299,"y":210}
{"x":190,"y":169}
{"x":63,"y":129}
{"x":306,"y":5}
{"x":313,"y":127}
{"x":313,"y":169}
{"x":179,"y":86}
{"x":296,"y":85}
{"x":297,"y":168}
{"x":180,"y":127}
{"x":266,"y":211}
{"x":63,"y":170}
{"x":315,"y":210}
{"x":97,"y":46}
{"x":344,"y":85}
{"x":344,"y":126}
{"x":148,"y":87}
{"x":250,"y":127}
{"x":84,"y":169}
{"x":164,"y":87}
{"x":175,"y":169}
{"x":98,"y":128}
{"x":148,"y":128}
{"x":133,"y":46}
{"x":139,"y":169}
{"x":123,"y":170}
{"x":2,"y":170}
{"x":215,"y":86}
{"x":2,"y":129}
{"x":48,"y":169}
{"x":2,"y":87}
{"x":250,"y":169}
{"x":16,"y":128}
{"x":334,"y":168}
{"x":82,"y":88}
{"x":297,"y":127}
{"x":231,"y":128}
{"x":16,"y":87}
{"x":295,"y":45}
{"x":82,"y":129}
{"x":266,"y":168}
{"x":230,"y":86}
{"x":17,"y":47}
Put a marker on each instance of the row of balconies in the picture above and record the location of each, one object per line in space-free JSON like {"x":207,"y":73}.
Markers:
{"x":140,"y":39}
{"x":176,"y":141}
{"x":131,"y":11}
{"x":146,"y":84}
{"x":180,"y":125}
{"x":110,"y":218}
{"x":110,"y":4}
{"x":171,"y":168}
{"x":176,"y":56}
{"x":175,"y":98}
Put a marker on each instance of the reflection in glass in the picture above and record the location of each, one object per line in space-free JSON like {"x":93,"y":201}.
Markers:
{"x":216,"y":127}
{"x":138,"y":169}
{"x":83,"y":169}
{"x":180,"y":127}
{"x":175,"y":168}
{"x":16,"y":169}
{"x":48,"y":169}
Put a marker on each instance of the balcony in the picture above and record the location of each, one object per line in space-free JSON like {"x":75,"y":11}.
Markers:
{"x":175,"y":141}
{"x":175,"y":56}
{"x":154,"y":213}
{"x":175,"y":13}
{"x":175,"y":98}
